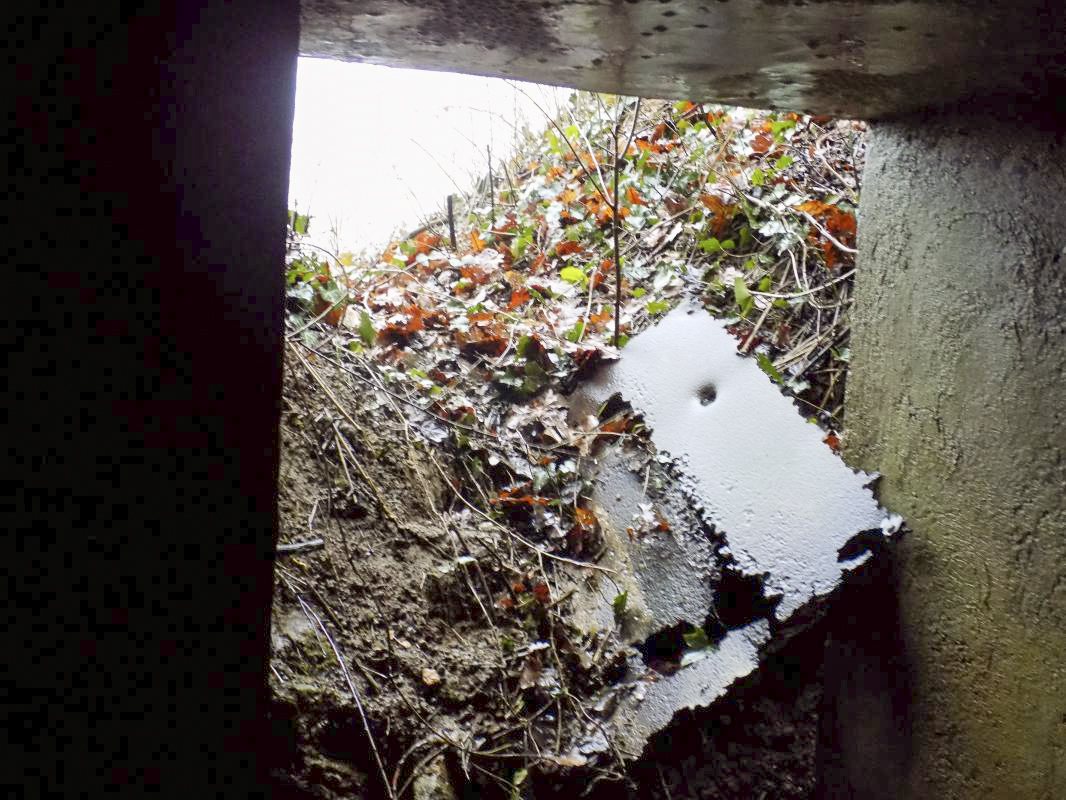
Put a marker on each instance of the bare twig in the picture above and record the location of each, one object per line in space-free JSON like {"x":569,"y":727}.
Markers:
{"x":300,"y":547}
{"x":355,"y":696}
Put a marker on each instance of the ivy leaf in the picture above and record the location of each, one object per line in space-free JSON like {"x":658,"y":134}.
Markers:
{"x":658,"y":307}
{"x":300,"y":222}
{"x":366,"y":329}
{"x":572,"y":275}
{"x":767,"y":366}
{"x":697,"y":639}
{"x":742,"y":295}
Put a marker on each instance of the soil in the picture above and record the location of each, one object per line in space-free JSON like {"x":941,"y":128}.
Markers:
{"x":383,"y":596}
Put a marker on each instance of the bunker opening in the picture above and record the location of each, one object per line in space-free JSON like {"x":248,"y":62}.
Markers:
{"x":558,"y":458}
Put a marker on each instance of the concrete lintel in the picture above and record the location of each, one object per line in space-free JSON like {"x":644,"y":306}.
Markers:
{"x":860,"y":59}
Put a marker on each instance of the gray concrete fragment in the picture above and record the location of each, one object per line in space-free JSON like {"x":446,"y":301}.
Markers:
{"x":783,"y":500}
{"x":658,"y":698}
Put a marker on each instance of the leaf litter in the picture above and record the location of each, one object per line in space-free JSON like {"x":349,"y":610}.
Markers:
{"x":428,"y":439}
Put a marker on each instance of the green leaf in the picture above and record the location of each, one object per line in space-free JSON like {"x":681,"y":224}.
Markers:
{"x":728,"y":244}
{"x":697,"y":639}
{"x":765,"y":283}
{"x":758,"y":177}
{"x":576,"y":332}
{"x":619,"y":605}
{"x":366,"y":329}
{"x":783,"y":163}
{"x":781,"y":126}
{"x":658,"y":306}
{"x":623,"y":340}
{"x":520,"y":776}
{"x":639,"y":292}
{"x":571,"y":131}
{"x":742,"y":295}
{"x":299,"y":222}
{"x":767,"y":366}
{"x":572,"y":275}
{"x":711,"y":245}
{"x":523,"y":343}
{"x":535,"y":379}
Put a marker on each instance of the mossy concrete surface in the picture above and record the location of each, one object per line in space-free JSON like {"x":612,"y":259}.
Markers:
{"x":958,"y":396}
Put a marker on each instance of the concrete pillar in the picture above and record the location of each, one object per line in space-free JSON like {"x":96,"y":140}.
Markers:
{"x":958,"y":396}
{"x":147,"y":171}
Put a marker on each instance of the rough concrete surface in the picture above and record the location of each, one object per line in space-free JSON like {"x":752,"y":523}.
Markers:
{"x":958,"y":396}
{"x":751,"y":489}
{"x":851,"y":59}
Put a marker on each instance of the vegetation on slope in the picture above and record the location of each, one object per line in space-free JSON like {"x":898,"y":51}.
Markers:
{"x":427,"y":391}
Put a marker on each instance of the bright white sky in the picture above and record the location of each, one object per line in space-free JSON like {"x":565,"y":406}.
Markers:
{"x":376,"y":149}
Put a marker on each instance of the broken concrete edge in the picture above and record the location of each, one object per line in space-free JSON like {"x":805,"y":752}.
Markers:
{"x":694,"y":552}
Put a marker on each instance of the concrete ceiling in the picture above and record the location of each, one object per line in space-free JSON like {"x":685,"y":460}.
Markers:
{"x":850,"y":58}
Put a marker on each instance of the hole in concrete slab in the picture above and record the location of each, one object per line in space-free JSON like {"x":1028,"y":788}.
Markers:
{"x":862,"y":542}
{"x":740,"y":599}
{"x":707,"y":394}
{"x":661,"y":28}
{"x":669,"y":13}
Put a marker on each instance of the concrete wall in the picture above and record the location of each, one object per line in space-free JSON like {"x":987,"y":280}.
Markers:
{"x":958,"y":396}
{"x":147,"y":168}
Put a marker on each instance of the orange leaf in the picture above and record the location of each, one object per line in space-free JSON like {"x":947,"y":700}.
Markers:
{"x":519,"y":297}
{"x":426,"y":241}
{"x":833,"y":441}
{"x":568,"y":247}
{"x":585,"y":518}
{"x":475,"y":242}
{"x":634,"y":197}
{"x":473,"y":274}
{"x":600,"y":318}
{"x":402,"y":331}
{"x":762,"y":143}
{"x":814,"y":207}
{"x":618,"y":424}
{"x":567,"y":196}
{"x":485,"y":337}
{"x":721,"y":212}
{"x":687,"y":106}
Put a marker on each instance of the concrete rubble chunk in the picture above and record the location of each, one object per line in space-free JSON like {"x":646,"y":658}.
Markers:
{"x":750,"y":488}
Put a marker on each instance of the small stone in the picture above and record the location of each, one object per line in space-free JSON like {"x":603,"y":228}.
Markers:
{"x":430,"y":676}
